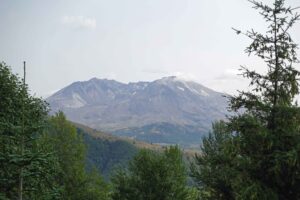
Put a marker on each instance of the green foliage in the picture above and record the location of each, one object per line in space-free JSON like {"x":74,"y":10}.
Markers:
{"x":38,"y":162}
{"x":212,"y":169}
{"x":70,"y":151}
{"x":22,"y":118}
{"x":96,"y":188}
{"x":151,"y":175}
{"x":107,"y":155}
{"x":255,"y":155}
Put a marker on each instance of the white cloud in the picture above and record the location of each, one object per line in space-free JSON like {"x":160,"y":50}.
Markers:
{"x":185,"y":76}
{"x":154,"y":71}
{"x":230,"y":74}
{"x":229,"y":81}
{"x":79,"y":22}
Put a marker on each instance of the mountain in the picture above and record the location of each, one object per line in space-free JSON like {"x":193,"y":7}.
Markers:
{"x":168,"y":110}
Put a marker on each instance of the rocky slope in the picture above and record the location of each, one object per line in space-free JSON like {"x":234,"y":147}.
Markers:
{"x":168,"y":110}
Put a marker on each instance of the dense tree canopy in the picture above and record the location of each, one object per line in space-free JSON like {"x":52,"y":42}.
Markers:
{"x":41,"y":157}
{"x":22,"y":119}
{"x":68,"y":148}
{"x":212,"y":169}
{"x":153,"y":176}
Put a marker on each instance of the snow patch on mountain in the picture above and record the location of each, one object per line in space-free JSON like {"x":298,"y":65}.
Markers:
{"x":180,"y":88}
{"x":76,"y":102}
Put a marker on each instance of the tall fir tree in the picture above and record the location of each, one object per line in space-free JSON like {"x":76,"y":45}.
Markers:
{"x":260,"y":145}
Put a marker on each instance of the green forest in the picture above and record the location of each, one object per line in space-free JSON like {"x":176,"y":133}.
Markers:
{"x":253,"y":154}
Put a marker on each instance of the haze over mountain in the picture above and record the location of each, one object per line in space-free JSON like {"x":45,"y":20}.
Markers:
{"x":168,"y":110}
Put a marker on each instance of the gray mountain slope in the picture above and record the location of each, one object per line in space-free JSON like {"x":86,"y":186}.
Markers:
{"x":131,"y":109}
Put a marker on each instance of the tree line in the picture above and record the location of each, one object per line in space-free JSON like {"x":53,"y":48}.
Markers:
{"x":253,"y":154}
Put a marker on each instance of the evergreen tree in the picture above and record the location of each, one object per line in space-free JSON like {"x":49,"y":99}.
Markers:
{"x":152,"y":176}
{"x":22,"y":118}
{"x":37,"y":162}
{"x":212,"y":169}
{"x":259,"y":146}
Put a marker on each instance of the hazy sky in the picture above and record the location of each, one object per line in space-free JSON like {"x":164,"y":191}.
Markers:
{"x":128,"y":40}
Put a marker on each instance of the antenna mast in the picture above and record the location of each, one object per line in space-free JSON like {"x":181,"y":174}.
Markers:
{"x":23,"y":132}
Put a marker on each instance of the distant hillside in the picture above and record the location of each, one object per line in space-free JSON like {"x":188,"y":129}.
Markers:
{"x":169,"y":110}
{"x":107,"y":152}
{"x":165,"y":133}
{"x":96,"y":134}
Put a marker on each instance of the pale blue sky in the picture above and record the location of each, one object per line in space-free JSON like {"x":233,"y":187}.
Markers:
{"x":128,"y":40}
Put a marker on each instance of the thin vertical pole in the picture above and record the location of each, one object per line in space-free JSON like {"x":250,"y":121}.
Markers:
{"x":24,"y":68}
{"x":23,"y":132}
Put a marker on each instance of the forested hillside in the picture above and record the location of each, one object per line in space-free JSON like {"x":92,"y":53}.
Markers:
{"x":107,"y":154}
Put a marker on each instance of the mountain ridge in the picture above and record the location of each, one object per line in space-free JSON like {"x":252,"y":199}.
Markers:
{"x":113,"y":106}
